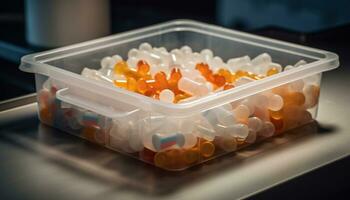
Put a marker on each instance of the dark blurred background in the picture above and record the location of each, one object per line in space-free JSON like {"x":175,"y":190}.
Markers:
{"x":320,"y":24}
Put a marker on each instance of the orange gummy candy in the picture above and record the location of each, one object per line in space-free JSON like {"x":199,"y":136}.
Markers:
{"x":132,"y":73}
{"x":155,"y":96}
{"x":143,"y":67}
{"x":228,"y":86}
{"x":219,"y":80}
{"x":120,"y":83}
{"x":227,"y":74}
{"x":180,"y":97}
{"x":252,"y":75}
{"x":120,"y":68}
{"x":272,"y":71}
{"x":203,"y":68}
{"x":142,"y":86}
{"x":151,"y":88}
{"x":161,"y":81}
{"x":241,"y":73}
{"x":258,"y":76}
{"x":175,"y":76}
{"x":131,"y":84}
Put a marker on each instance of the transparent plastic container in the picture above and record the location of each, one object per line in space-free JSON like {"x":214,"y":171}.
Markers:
{"x":127,"y":122}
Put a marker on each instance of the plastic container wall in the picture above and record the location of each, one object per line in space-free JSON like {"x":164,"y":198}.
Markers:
{"x":175,"y":137}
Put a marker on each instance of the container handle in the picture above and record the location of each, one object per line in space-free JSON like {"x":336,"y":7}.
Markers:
{"x":103,"y":107}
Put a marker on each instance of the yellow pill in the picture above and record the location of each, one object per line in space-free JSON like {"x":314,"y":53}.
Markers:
{"x":278,"y":123}
{"x":89,"y":132}
{"x":207,"y":149}
{"x":276,"y":114}
{"x":227,"y":143}
{"x":294,"y":98}
{"x":191,"y":155}
{"x":160,"y":159}
{"x":174,"y":159}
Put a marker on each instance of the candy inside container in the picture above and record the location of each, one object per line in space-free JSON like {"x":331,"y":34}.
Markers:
{"x":180,"y":76}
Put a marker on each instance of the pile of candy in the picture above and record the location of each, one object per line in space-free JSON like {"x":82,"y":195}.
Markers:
{"x":181,"y":73}
{"x":179,"y":76}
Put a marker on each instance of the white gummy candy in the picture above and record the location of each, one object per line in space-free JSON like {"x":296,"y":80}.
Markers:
{"x":300,"y":63}
{"x":255,"y":124}
{"x":133,"y":53}
{"x":263,"y":59}
{"x":207,"y":54}
{"x":145,"y":47}
{"x":275,"y":102}
{"x":167,"y":95}
{"x":251,"y":138}
{"x":106,"y":62}
{"x":241,"y":112}
{"x":268,"y":130}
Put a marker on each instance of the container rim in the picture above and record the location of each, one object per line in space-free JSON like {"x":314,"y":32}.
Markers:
{"x":35,"y":63}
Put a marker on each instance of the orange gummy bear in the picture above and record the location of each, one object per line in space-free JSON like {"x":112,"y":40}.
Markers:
{"x":227,"y":74}
{"x":120,"y":68}
{"x":142,"y":86}
{"x":219,"y":80}
{"x":203,"y":68}
{"x":142,"y":68}
{"x":161,"y":81}
{"x":175,"y":76}
{"x":131,"y":84}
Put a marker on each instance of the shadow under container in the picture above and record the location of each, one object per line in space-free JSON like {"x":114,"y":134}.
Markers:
{"x":177,"y":136}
